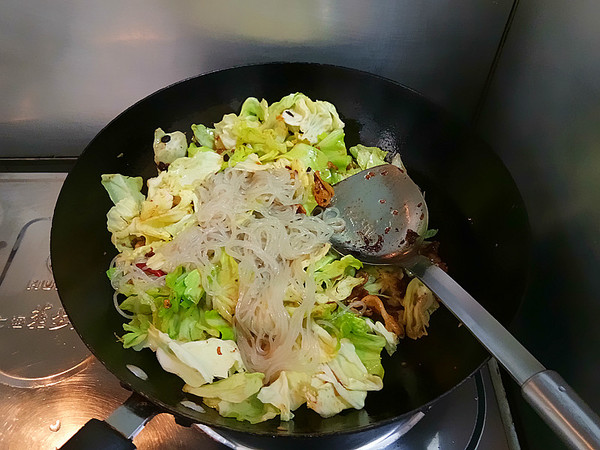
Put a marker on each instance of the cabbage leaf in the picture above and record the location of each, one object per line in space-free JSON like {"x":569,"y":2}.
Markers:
{"x":168,"y":150}
{"x":198,"y":362}
{"x":251,"y":409}
{"x":125,"y":193}
{"x":235,"y":389}
{"x":286,"y":393}
{"x":367,"y":157}
{"x":368,"y":346}
{"x":120,"y":187}
{"x":326,"y":274}
{"x":419,"y":303}
{"x":204,"y":136}
{"x":335,"y":150}
{"x":342,"y":383}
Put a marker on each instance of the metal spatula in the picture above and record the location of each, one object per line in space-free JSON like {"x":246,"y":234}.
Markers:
{"x":386,"y":217}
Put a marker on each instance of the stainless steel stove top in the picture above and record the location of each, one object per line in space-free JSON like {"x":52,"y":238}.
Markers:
{"x":50,"y":385}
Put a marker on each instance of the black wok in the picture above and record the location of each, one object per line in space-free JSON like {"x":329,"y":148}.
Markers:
{"x":472,"y":199}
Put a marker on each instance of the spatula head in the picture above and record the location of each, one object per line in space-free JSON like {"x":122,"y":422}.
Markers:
{"x":385,"y":214}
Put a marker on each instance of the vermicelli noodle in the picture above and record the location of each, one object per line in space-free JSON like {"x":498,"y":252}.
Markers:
{"x":251,"y":215}
{"x":225,"y":270}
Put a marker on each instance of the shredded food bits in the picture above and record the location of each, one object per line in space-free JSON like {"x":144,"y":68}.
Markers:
{"x":322,"y":191}
{"x":391,"y":324}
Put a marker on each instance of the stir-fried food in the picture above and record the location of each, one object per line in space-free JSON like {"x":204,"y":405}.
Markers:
{"x":225,"y":269}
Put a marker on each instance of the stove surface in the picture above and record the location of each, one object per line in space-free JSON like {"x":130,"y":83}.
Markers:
{"x":50,"y":385}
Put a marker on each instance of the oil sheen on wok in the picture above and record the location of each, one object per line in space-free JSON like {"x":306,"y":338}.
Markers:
{"x":225,"y":269}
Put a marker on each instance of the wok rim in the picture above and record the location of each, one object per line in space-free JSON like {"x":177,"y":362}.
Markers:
{"x":163,"y":407}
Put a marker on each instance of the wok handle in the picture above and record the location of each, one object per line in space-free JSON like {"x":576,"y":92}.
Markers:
{"x":545,"y":390}
{"x":119,"y":429}
{"x":563,"y":410}
{"x":98,"y":435}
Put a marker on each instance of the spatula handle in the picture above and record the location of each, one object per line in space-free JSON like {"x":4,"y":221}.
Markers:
{"x":566,"y":413}
{"x":563,"y":410}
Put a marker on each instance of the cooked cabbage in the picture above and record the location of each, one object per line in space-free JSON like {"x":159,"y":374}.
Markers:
{"x":230,"y":279}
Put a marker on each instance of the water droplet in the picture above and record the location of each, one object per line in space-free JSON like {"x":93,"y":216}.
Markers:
{"x":55,"y":426}
{"x":137,"y":371}
{"x":562,"y":389}
{"x":191,"y":405}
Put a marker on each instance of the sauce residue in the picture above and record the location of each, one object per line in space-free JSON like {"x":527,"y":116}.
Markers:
{"x":371,"y":245}
{"x":411,"y":236}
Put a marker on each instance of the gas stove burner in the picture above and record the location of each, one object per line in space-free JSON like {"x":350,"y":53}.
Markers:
{"x":383,"y":438}
{"x":41,"y":347}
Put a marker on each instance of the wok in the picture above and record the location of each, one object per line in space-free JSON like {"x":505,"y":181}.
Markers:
{"x":472,"y":199}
